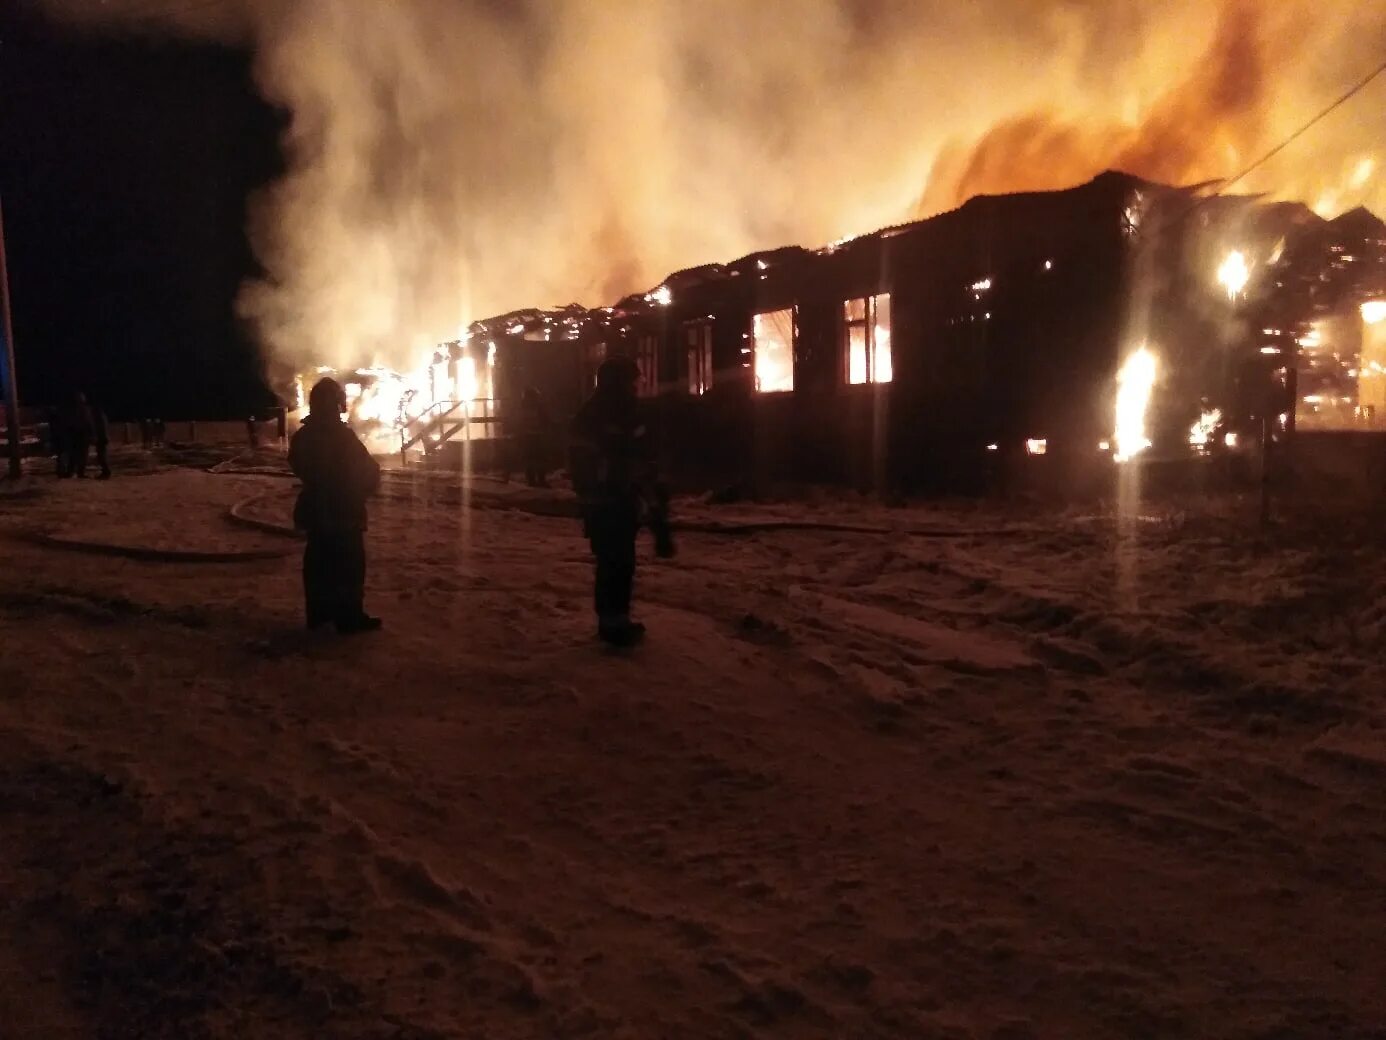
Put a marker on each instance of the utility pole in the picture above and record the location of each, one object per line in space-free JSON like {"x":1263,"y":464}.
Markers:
{"x":7,"y":371}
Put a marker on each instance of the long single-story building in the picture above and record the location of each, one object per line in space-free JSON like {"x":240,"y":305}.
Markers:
{"x":1117,"y":319}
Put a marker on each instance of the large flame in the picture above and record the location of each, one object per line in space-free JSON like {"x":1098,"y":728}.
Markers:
{"x":1135,"y":383}
{"x":1201,"y":432}
{"x":471,"y":157}
{"x":1233,"y":273}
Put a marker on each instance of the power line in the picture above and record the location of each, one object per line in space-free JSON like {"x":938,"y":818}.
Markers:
{"x":1356,"y":89}
{"x":1222,"y":185}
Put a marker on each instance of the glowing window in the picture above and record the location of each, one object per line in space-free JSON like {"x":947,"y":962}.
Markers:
{"x":698,"y":339}
{"x":866,"y":322}
{"x":772,"y":335}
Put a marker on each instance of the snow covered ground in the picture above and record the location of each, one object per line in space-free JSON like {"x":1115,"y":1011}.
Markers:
{"x":965,"y":772}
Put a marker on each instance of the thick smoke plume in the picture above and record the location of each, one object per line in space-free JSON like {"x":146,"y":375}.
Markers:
{"x":451,"y":159}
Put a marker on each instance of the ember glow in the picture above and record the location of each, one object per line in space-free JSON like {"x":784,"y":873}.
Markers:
{"x":1135,"y":383}
{"x":384,"y":403}
{"x":1233,"y":274}
{"x":1201,"y":433}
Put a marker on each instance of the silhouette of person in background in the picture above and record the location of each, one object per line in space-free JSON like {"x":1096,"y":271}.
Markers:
{"x":77,"y":434}
{"x":338,"y":476}
{"x":101,"y":437}
{"x":534,"y":426}
{"x":613,"y":472}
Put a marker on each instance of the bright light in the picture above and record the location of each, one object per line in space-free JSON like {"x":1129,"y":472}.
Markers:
{"x":981,"y":286}
{"x":1233,"y":274}
{"x":662,"y":296}
{"x":1049,"y":265}
{"x":1104,"y":445}
{"x":882,"y":365}
{"x":1202,"y":431}
{"x":993,"y":447}
{"x":1270,"y":350}
{"x":1374,"y":311}
{"x":1230,"y":440}
{"x":1036,"y":446}
{"x":1363,"y":172}
{"x":774,"y":350}
{"x":382,"y":401}
{"x":467,"y":384}
{"x":1135,"y":382}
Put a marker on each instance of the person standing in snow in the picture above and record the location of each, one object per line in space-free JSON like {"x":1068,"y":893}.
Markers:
{"x":612,"y":464}
{"x":77,"y":432}
{"x":101,"y":437}
{"x":534,"y":426}
{"x":338,"y":476}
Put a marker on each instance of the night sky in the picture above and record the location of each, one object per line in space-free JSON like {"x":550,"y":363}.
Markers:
{"x":126,"y":166}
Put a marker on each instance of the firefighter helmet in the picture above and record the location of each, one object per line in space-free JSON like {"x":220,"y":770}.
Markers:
{"x":327,"y":398}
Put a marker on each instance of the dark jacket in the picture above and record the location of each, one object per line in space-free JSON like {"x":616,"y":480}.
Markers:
{"x":77,"y":424}
{"x":612,"y":456}
{"x":100,"y":426}
{"x":338,"y":476}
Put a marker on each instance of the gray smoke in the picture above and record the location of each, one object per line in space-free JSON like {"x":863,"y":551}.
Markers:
{"x":452,"y":159}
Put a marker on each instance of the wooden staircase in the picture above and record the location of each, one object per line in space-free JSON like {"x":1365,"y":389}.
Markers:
{"x":443,"y":421}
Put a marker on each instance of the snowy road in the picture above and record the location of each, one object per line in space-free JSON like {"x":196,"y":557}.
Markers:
{"x":1071,"y":784}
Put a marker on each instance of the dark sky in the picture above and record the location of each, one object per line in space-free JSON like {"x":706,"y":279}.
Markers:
{"x":126,"y":166}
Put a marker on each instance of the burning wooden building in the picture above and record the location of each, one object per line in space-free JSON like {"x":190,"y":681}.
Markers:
{"x":1115,"y":320}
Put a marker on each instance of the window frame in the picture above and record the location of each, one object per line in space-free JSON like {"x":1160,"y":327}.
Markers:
{"x":697,"y":343}
{"x":868,"y":323}
{"x":793,"y":311}
{"x":647,"y":361}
